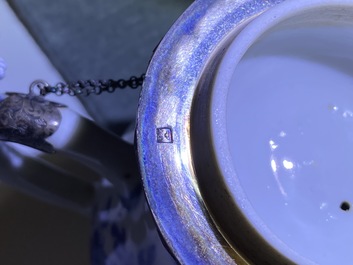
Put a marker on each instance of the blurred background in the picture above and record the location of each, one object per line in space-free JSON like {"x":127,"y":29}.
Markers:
{"x":76,"y":39}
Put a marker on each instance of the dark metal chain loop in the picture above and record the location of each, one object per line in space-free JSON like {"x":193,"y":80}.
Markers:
{"x":88,"y":87}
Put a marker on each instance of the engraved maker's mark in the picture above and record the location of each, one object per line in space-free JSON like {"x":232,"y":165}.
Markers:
{"x":164,"y":135}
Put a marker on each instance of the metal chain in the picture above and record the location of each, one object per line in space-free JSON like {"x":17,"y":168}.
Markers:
{"x":87,"y":87}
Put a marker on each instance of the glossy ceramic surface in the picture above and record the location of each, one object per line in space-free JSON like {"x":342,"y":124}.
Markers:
{"x":244,"y":133}
{"x":285,"y":148}
{"x":123,"y":228}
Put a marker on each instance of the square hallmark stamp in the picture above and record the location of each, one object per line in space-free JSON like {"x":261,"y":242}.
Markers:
{"x":164,"y":135}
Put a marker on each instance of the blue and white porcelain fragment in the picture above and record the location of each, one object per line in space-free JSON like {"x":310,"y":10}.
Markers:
{"x":124,"y":231}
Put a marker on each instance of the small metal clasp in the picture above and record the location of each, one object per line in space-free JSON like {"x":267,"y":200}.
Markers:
{"x":41,"y":85}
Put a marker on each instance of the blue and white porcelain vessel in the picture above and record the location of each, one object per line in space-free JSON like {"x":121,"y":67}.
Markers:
{"x":124,"y":231}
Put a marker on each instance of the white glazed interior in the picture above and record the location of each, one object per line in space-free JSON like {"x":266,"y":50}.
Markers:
{"x":282,"y":125}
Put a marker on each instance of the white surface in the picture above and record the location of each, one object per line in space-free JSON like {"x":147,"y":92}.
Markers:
{"x":284,"y":139}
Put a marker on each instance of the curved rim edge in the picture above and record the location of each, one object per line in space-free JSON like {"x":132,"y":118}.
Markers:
{"x":163,"y":122}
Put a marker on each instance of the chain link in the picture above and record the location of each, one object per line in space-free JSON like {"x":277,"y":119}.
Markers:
{"x":88,"y":87}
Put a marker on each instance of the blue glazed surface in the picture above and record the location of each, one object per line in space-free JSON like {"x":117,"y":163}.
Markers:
{"x":124,"y":231}
{"x":2,"y":68}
